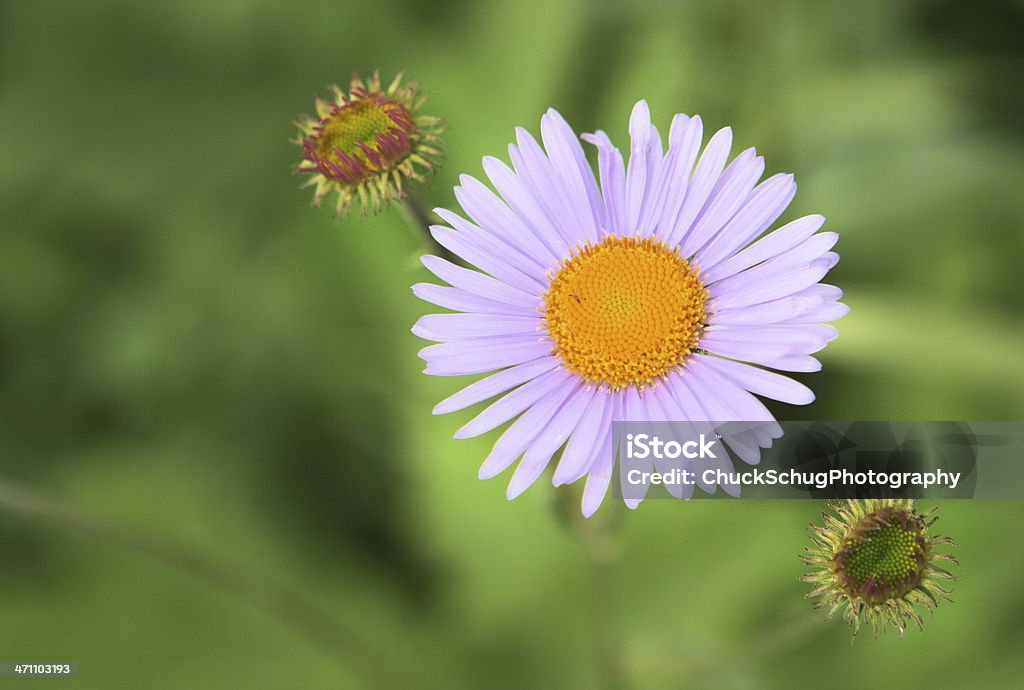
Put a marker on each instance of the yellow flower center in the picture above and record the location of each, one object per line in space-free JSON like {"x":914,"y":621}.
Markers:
{"x":882,"y":559}
{"x":624,"y":311}
{"x":360,"y":122}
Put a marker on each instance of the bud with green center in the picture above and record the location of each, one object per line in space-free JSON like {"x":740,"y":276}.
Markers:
{"x":875,"y":559}
{"x":366,"y":145}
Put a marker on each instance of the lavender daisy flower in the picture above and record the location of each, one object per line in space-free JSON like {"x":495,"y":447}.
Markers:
{"x":641,"y":297}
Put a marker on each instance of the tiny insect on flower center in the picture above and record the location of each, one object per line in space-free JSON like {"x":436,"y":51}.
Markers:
{"x":624,"y":311}
{"x":883,"y":558}
{"x":371,"y":129}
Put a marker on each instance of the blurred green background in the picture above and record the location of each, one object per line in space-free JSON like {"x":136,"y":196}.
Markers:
{"x":191,"y":352}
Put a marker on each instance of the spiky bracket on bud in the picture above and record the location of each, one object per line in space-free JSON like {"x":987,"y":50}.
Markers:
{"x":367,"y":144}
{"x":875,"y":559}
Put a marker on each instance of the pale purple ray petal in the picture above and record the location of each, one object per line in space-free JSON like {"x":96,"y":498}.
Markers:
{"x":766,"y":203}
{"x":706,"y":174}
{"x":478,"y":283}
{"x":730,"y":193}
{"x":784,"y":362}
{"x":494,"y":244}
{"x":656,"y":410}
{"x":507,"y":407}
{"x":496,"y":383}
{"x":781,"y":310}
{"x":635,"y":410}
{"x":657,"y":185}
{"x":798,"y":338}
{"x":485,"y":354}
{"x":534,"y":169}
{"x":781,"y":285}
{"x":829,"y":311}
{"x":582,"y":448}
{"x":655,"y":158}
{"x":638,"y":167}
{"x":801,"y":256}
{"x":661,"y":398}
{"x":521,"y":200}
{"x":718,"y":403}
{"x":688,"y":400}
{"x":447,"y":327}
{"x":684,"y":145}
{"x":827,"y":292}
{"x":571,"y":164}
{"x":613,"y":181}
{"x":518,"y":437}
{"x":800,"y":363}
{"x":764,"y":383}
{"x":494,"y":215}
{"x":828,"y":259}
{"x":474,"y":249}
{"x":600,"y":473}
{"x":460,"y":300}
{"x":555,"y":433}
{"x":771,"y":245}
{"x":690,"y":409}
{"x":747,"y":352}
{"x":746,"y":406}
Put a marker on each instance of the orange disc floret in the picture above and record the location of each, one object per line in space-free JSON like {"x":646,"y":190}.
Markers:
{"x":624,"y":311}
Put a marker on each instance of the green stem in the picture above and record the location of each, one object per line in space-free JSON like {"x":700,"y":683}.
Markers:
{"x":289,"y":608}
{"x":419,"y":218}
{"x":597,"y":539}
{"x":794,"y":629}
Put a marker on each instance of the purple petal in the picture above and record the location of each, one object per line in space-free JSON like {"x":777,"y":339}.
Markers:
{"x":764,"y":383}
{"x":718,"y":403}
{"x":773,"y":244}
{"x":490,"y":259}
{"x":496,"y":383}
{"x":495,"y":244}
{"x":494,"y":215}
{"x":460,"y":300}
{"x":613,"y":182}
{"x":660,"y":397}
{"x":830,"y":311}
{"x":767,"y":202}
{"x":534,"y":169}
{"x":520,"y":199}
{"x":800,"y":363}
{"x":569,"y":161}
{"x":518,"y":437}
{"x":684,"y":146}
{"x":686,"y":398}
{"x":555,"y":433}
{"x":636,"y":171}
{"x":747,"y":407}
{"x":745,"y":352}
{"x":802,"y":338}
{"x":781,"y":285}
{"x":703,"y":181}
{"x":777,"y":311}
{"x":477,"y":356}
{"x":507,"y":407}
{"x":582,"y":448}
{"x":730,"y":193}
{"x":446,"y":327}
{"x":478,"y":283}
{"x":600,"y":473}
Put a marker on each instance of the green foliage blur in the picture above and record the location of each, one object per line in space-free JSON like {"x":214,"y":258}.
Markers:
{"x":190,"y":351}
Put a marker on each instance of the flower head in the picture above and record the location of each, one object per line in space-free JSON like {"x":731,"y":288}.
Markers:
{"x":875,"y":560}
{"x":637,"y":295}
{"x":366,"y":144}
